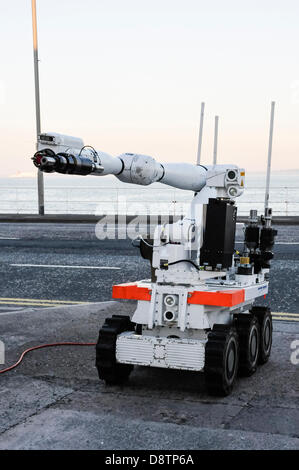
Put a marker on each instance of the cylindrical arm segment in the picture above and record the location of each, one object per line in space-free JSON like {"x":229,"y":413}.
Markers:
{"x":111,"y":165}
{"x":129,"y":168}
{"x":184,"y":176}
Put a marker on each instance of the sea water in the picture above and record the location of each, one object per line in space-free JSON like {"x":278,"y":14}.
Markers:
{"x":108,"y":195}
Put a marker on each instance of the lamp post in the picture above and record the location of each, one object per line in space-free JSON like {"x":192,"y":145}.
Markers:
{"x":40,"y":176}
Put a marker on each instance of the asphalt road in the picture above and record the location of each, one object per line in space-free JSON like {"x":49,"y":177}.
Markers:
{"x":49,"y":264}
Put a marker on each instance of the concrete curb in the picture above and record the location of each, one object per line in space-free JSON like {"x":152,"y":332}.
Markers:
{"x":93,"y":219}
{"x":81,"y":218}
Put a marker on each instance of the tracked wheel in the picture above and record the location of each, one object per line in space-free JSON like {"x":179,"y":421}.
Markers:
{"x":264,"y":317}
{"x":248,"y":329}
{"x":221,"y":360}
{"x":108,"y":369}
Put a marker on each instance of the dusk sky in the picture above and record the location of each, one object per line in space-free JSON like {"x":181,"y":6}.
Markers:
{"x":129,"y":76}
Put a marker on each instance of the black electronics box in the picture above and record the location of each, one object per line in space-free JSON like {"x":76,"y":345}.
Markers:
{"x":219,"y":236}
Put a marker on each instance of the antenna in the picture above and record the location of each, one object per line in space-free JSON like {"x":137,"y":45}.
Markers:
{"x":215,"y":140}
{"x":269,"y":156}
{"x":202,"y":112}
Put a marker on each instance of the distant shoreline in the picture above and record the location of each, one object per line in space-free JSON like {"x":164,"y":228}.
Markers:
{"x":26,"y":175}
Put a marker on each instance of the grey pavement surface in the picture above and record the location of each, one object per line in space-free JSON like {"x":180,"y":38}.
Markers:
{"x":75,"y":249}
{"x":54,"y":399}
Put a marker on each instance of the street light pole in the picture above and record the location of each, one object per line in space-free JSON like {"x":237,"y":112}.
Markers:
{"x":40,"y":176}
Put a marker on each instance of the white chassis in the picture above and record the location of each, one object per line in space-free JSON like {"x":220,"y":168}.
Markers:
{"x":180,"y":342}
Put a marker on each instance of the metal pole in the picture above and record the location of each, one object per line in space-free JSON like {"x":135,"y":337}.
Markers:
{"x":215,"y":140}
{"x":269,"y":155}
{"x":202,"y":112}
{"x":40,"y":175}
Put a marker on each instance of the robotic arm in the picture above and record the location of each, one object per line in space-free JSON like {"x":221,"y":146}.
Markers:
{"x":68,"y":155}
{"x":173,"y":242}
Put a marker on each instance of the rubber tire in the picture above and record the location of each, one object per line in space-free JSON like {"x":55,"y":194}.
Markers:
{"x":117,"y":374}
{"x":248,"y":328}
{"x":264,"y":317}
{"x":109,"y":370}
{"x":219,"y":376}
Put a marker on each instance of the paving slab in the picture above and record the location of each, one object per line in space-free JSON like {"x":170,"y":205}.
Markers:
{"x":72,"y":430}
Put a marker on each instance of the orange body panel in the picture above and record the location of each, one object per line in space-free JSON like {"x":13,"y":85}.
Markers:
{"x":224,"y":298}
{"x":131,"y":291}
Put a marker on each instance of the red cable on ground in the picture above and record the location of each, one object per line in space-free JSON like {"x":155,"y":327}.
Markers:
{"x":41,"y":346}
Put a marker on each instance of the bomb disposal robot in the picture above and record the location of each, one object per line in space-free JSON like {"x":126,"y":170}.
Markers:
{"x":196,"y":313}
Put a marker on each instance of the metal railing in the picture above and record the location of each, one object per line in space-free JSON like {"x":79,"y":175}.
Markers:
{"x":112,"y":200}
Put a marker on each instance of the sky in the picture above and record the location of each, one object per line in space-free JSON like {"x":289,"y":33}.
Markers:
{"x":130,"y":76}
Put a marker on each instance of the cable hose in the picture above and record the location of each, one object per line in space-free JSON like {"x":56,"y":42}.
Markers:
{"x":41,"y":346}
{"x":184,"y":261}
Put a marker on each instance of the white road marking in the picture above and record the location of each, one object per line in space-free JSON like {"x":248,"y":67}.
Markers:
{"x":9,"y":238}
{"x":11,"y":299}
{"x":277,"y":243}
{"x":62,"y":266}
{"x":286,"y":243}
{"x":18,"y":309}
